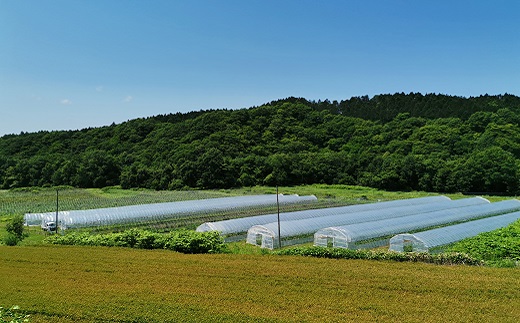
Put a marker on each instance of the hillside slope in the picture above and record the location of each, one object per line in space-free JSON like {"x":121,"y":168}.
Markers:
{"x":394,"y":142}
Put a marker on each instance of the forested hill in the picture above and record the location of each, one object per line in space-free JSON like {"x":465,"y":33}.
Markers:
{"x":396,"y":142}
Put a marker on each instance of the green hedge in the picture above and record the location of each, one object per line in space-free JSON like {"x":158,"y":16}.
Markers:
{"x":339,"y":253}
{"x":182,"y":241}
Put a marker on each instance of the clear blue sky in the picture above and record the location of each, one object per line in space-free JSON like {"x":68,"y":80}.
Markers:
{"x":70,"y":64}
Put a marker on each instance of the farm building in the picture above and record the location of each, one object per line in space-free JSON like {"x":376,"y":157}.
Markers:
{"x":349,"y":236}
{"x":240,"y":225}
{"x":424,"y":240}
{"x":266,"y":235}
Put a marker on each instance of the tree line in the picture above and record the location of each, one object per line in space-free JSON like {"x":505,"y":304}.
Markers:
{"x":399,"y":141}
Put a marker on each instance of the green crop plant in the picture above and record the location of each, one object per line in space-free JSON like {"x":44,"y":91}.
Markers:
{"x":13,"y":314}
{"x":499,"y":247}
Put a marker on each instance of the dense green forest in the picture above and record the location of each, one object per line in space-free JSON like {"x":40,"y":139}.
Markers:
{"x":397,"y":141}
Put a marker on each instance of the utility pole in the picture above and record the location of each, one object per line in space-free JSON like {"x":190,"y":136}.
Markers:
{"x":57,"y":208}
{"x":278,"y":206}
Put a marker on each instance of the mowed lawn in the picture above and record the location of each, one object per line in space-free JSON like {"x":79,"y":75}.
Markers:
{"x":97,"y":284}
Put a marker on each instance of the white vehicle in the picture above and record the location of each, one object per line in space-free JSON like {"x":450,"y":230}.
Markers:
{"x":49,"y":226}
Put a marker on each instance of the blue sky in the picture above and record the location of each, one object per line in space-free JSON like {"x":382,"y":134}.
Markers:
{"x":69,"y":64}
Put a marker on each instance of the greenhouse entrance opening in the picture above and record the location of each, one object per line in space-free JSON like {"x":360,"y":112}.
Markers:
{"x":330,"y":242}
{"x":407,"y":245}
{"x":259,"y":239}
{"x":259,"y":235}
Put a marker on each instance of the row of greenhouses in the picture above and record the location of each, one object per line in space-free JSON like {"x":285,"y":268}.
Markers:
{"x":298,"y":231}
{"x":349,"y":236}
{"x":160,"y":211}
{"x":366,"y":228}
{"x":242,"y":225}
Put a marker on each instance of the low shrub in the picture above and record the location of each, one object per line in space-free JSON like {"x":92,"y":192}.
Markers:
{"x":182,"y":241}
{"x":339,"y":253}
{"x":11,"y":239}
{"x":150,"y":240}
{"x":127,"y":238}
{"x":195,"y":242}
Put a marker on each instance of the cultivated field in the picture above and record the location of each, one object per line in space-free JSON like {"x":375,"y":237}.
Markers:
{"x":96,"y":284}
{"x":100,"y":284}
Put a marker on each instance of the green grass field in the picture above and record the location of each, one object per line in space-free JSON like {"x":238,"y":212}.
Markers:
{"x":96,"y":284}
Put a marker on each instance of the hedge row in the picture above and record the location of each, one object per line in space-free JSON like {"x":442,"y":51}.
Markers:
{"x":182,"y":241}
{"x":339,"y":253}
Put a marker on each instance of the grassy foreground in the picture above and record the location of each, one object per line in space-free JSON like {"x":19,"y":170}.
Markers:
{"x":98,"y":284}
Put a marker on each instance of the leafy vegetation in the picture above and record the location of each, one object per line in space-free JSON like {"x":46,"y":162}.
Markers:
{"x":13,"y":314}
{"x":500,"y":247}
{"x":15,"y":230}
{"x":433,"y":143}
{"x":340,"y":253}
{"x":184,"y":241}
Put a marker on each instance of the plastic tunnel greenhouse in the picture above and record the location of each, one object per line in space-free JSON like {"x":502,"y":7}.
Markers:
{"x":354,"y":235}
{"x":423,"y":241}
{"x":241,"y":225}
{"x":299,"y":231}
{"x":158,"y":211}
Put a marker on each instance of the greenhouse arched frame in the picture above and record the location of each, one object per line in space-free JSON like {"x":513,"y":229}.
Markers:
{"x":353,"y":236}
{"x":425,"y":240}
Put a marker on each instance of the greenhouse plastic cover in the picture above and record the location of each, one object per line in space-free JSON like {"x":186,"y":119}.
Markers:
{"x":265,"y":235}
{"x":342,"y":236}
{"x":243,"y":224}
{"x":423,"y":241}
{"x":157,"y":211}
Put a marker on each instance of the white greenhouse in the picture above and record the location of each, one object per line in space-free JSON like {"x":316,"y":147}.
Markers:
{"x":425,"y":240}
{"x":241,"y":225}
{"x":159,"y":211}
{"x":356,"y":235}
{"x":298,"y":231}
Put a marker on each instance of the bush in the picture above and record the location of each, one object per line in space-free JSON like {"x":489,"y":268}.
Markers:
{"x":150,"y":240}
{"x":194,"y":242}
{"x":339,"y":253}
{"x":182,"y":241}
{"x":129,"y":238}
{"x":11,"y":239}
{"x":68,"y":239}
{"x":15,"y":226}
